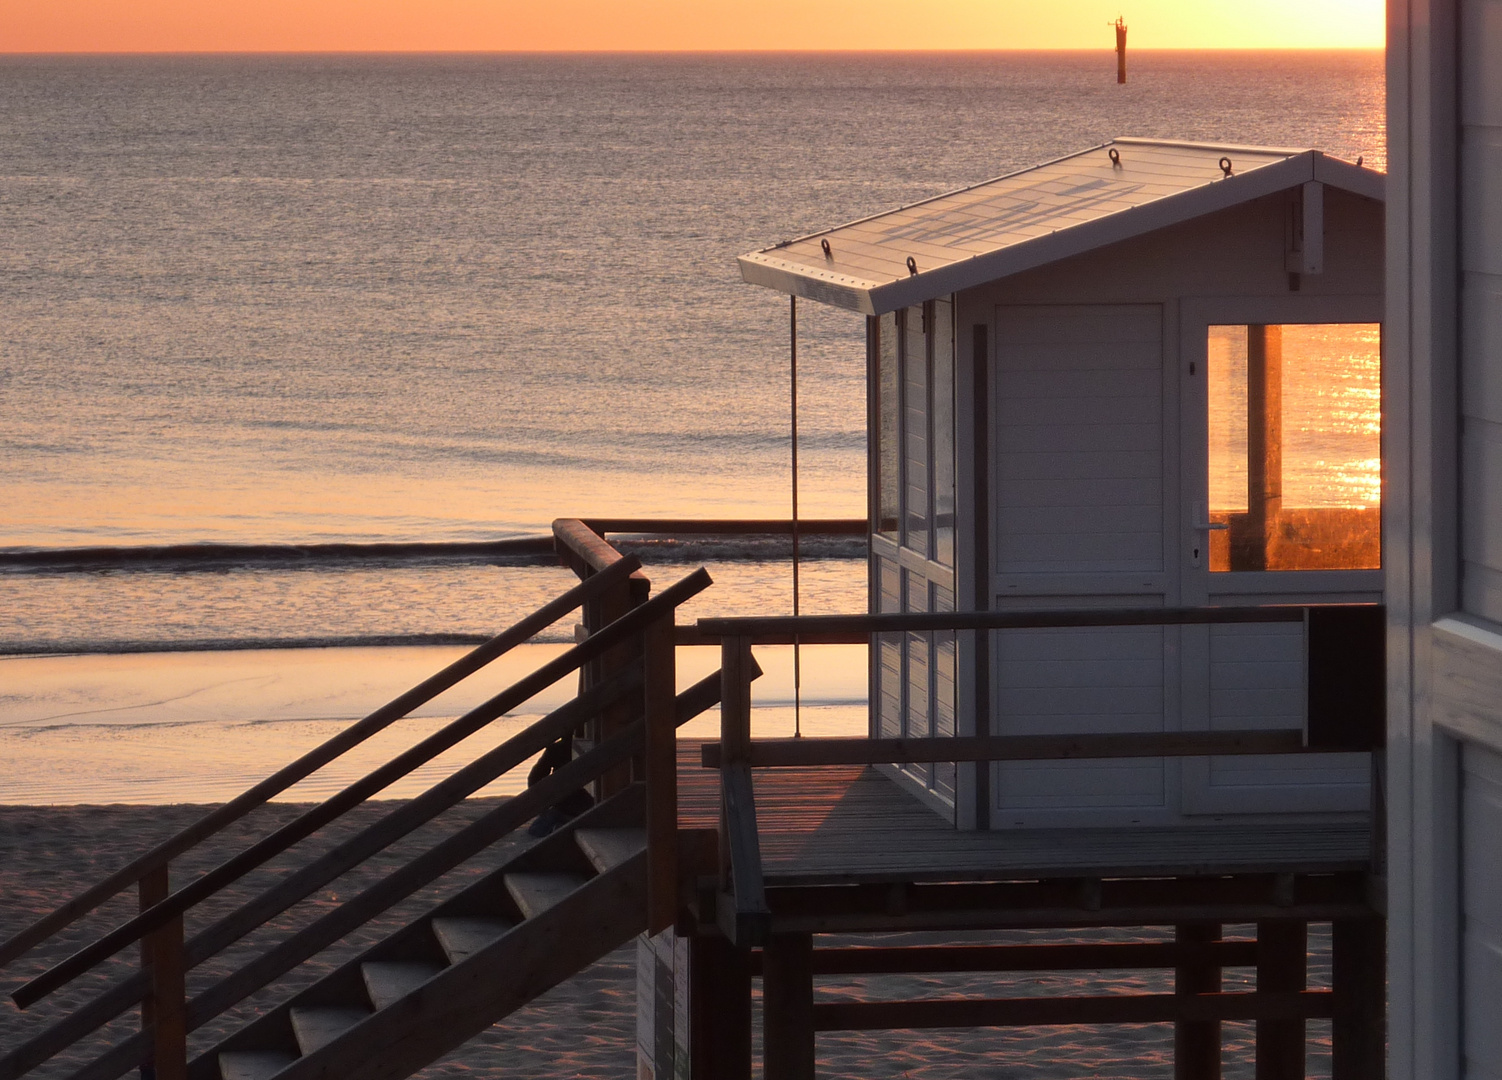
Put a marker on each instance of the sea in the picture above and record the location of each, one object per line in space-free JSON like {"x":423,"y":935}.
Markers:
{"x":287,"y":337}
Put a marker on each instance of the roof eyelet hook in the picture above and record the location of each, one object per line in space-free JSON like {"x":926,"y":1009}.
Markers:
{"x":1225,"y":166}
{"x":912,"y":266}
{"x":828,"y":254}
{"x":1115,"y":156}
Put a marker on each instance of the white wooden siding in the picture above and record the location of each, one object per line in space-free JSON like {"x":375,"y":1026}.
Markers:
{"x":1481,"y":913}
{"x":1257,"y":681}
{"x":916,"y":436}
{"x":889,"y":652}
{"x":1078,"y":472}
{"x":1445,"y":654}
{"x":1079,"y":440}
{"x":1070,"y":681}
{"x":919,"y":688}
{"x":1480,"y":378}
{"x":1481,"y":308}
{"x":945,"y":665}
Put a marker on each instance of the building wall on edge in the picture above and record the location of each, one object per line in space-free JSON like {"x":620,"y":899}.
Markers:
{"x":1442,"y":403}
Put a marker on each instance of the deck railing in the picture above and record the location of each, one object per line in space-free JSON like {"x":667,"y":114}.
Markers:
{"x":1346,"y":711}
{"x":636,"y":689}
{"x":583,"y":547}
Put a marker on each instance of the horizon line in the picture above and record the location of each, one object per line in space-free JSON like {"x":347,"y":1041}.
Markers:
{"x":687,"y":52}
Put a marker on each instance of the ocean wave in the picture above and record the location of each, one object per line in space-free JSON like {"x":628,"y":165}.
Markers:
{"x":517,"y":551}
{"x":226,"y":644}
{"x":187,"y":558}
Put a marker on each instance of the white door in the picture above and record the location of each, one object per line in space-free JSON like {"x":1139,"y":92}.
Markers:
{"x":1280,"y":466}
{"x":1080,"y":471}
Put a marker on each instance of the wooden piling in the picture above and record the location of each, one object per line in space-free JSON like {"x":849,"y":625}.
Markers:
{"x":1121,"y":32}
{"x":720,"y":1009}
{"x":1358,"y":1034}
{"x":787,"y":998}
{"x":1196,"y":1043}
{"x":1282,"y":967}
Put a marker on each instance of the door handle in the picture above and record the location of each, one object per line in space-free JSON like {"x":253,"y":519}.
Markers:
{"x":1211,"y":526}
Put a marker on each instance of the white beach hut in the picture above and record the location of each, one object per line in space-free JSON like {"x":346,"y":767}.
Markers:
{"x":1144,"y":375}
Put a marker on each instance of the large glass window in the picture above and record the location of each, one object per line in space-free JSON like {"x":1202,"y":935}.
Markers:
{"x":888,"y":445}
{"x":1295,"y":446}
{"x":917,"y":439}
{"x":943,"y":455}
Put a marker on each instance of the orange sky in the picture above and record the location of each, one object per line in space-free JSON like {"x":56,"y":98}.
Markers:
{"x":421,"y":25}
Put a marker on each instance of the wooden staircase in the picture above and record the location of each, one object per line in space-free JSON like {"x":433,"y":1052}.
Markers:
{"x":559,"y":905}
{"x":545,"y":915}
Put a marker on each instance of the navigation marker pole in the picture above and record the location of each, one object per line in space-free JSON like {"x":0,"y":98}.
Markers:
{"x":1121,"y":29}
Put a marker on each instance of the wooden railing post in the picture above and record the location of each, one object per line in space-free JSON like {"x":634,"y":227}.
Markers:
{"x":659,"y":663}
{"x":615,"y":603}
{"x":749,"y":920}
{"x":735,"y":729}
{"x":162,"y":1010}
{"x":787,"y":996}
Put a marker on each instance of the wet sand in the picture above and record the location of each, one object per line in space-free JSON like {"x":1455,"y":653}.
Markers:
{"x":584,"y":1028}
{"x":200,"y":727}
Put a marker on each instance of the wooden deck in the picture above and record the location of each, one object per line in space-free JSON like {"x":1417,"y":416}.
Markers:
{"x":848,"y":824}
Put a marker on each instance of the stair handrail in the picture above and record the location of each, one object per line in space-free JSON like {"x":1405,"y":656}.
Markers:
{"x":331,"y":927}
{"x":582,"y":546}
{"x":259,"y":794}
{"x":257,"y":854}
{"x":278,"y":897}
{"x":445,"y":794}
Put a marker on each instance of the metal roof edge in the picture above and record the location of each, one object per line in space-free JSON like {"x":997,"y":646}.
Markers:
{"x":1224,"y":148}
{"x":799,"y":282}
{"x":1066,"y":243}
{"x":1348,"y":176}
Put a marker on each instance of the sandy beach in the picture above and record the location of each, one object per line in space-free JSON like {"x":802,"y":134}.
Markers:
{"x":584,"y":1028}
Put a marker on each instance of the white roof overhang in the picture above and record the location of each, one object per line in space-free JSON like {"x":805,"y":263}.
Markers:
{"x":1034,"y":217}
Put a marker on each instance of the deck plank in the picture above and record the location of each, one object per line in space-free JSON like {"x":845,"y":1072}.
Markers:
{"x":846,"y":824}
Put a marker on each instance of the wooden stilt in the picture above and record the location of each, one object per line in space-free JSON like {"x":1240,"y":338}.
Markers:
{"x":788,"y":1007}
{"x":1359,"y":969}
{"x":162,"y":1010}
{"x":1282,"y":967}
{"x":719,"y":1009}
{"x":1196,"y":1043}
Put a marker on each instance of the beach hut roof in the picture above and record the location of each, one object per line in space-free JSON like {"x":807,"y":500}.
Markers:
{"x":1100,"y":196}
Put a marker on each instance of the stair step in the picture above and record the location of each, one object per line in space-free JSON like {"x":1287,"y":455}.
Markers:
{"x":535,"y":892}
{"x":322,"y":1025}
{"x":388,"y":981}
{"x":608,"y":848}
{"x":253,"y":1064}
{"x":464,"y":935}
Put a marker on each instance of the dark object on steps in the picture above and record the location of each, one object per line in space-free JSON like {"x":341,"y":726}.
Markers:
{"x":571,"y":805}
